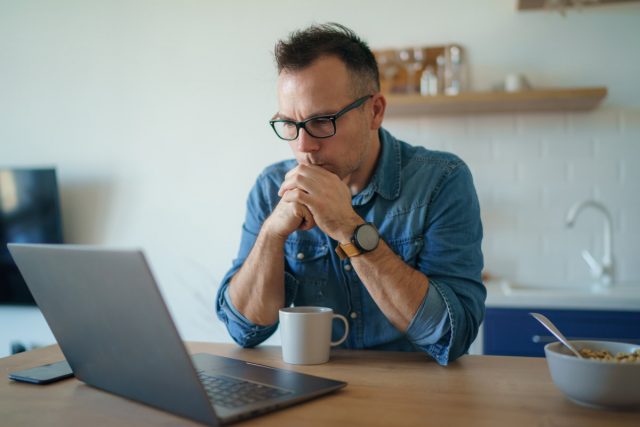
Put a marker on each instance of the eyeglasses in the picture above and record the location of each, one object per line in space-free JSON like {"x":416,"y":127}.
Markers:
{"x":317,"y":127}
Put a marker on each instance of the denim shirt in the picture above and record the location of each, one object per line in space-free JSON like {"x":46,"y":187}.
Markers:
{"x":425,"y":207}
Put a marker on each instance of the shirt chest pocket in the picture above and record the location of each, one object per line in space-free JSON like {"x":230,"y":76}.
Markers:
{"x":308,"y":262}
{"x":408,"y":249}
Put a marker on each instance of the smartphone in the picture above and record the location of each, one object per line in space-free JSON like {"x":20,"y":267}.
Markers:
{"x":44,"y":374}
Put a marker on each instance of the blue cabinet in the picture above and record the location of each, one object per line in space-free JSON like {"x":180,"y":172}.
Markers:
{"x":513,"y":332}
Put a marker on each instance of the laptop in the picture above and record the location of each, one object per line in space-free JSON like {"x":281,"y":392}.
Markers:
{"x":115,"y":331}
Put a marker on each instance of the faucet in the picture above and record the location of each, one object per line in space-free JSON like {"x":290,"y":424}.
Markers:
{"x":602,"y":271}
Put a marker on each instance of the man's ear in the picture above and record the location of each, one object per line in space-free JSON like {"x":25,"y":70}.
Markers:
{"x":379,"y":104}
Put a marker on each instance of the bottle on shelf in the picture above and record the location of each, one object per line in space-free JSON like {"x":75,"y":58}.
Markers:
{"x":389,"y":70}
{"x":412,"y":60}
{"x":453,"y":71}
{"x":441,"y":70}
{"x":428,"y":82}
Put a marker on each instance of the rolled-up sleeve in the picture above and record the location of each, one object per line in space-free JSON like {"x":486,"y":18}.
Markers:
{"x":448,"y":320}
{"x":241,"y":329}
{"x":430,"y":323}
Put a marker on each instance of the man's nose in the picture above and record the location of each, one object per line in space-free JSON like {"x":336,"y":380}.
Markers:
{"x":306,"y":143}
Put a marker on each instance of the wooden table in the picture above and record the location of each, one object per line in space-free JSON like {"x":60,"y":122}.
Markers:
{"x":385,"y":389}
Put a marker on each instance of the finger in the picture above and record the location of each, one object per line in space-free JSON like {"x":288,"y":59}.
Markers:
{"x":295,"y":181}
{"x":287,"y":179}
{"x":291,"y":173}
{"x":296,"y":196}
{"x":314,"y":170}
{"x":287,"y":183}
{"x":316,"y":177}
{"x":310,"y":170}
{"x":308,"y":222}
{"x":284,"y":187}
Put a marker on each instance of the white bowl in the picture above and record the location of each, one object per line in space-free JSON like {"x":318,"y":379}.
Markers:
{"x":592,"y":382}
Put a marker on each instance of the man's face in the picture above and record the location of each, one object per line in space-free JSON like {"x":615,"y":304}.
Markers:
{"x":325,"y":87}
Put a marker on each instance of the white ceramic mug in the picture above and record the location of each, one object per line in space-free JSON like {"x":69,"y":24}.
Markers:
{"x":515,"y":82}
{"x":306,"y":334}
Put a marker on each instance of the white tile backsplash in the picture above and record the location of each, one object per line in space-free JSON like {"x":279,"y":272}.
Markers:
{"x":529,"y":169}
{"x":444,"y":127}
{"x":506,"y":149}
{"x":595,"y":123}
{"x":543,"y":124}
{"x":630,"y":123}
{"x":570,"y":147}
{"x":492,"y":125}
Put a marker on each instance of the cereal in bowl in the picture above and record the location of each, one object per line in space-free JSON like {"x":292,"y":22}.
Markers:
{"x":606,"y":356}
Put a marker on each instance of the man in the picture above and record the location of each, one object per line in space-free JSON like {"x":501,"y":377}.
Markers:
{"x":382,"y":232}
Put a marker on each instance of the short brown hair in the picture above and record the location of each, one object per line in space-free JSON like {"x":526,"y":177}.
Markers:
{"x":305,"y":46}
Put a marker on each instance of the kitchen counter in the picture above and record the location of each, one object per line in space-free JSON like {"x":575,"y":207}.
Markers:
{"x":502,"y":294}
{"x":384,"y":389}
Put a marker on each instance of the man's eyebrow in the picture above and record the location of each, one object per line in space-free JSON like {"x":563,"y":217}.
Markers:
{"x":280,"y":116}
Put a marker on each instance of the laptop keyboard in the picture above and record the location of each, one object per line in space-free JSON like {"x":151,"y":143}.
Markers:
{"x":233,"y":392}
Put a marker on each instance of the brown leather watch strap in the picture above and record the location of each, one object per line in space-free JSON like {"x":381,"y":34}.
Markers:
{"x":347,"y":250}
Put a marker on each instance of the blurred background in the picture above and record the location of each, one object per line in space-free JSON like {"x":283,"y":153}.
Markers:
{"x":154,"y":114}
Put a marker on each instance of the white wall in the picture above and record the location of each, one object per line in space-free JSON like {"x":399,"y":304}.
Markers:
{"x":155,"y":114}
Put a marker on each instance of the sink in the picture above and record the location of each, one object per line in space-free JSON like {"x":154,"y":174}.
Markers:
{"x":622,"y":296}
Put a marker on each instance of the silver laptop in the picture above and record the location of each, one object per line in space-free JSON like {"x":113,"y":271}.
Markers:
{"x":106,"y":312}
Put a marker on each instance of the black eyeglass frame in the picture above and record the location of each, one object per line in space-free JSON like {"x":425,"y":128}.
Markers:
{"x":332,"y":117}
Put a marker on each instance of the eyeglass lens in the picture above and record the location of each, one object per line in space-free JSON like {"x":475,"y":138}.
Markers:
{"x":320,"y":127}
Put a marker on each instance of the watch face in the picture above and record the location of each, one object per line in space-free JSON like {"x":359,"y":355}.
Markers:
{"x":367,"y":237}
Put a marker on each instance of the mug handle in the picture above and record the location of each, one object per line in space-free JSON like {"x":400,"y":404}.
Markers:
{"x":346,"y":330}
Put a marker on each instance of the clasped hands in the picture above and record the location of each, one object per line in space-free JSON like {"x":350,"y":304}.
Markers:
{"x":310,"y":196}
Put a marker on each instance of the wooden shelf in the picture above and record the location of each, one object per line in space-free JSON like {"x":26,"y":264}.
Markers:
{"x":540,"y":4}
{"x":570,"y":99}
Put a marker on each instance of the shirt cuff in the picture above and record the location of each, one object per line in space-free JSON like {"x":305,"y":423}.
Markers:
{"x":291,"y":287}
{"x":431,"y":322}
{"x":235,"y":314}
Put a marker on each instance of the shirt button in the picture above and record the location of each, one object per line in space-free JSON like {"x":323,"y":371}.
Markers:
{"x":300,"y":255}
{"x":347,"y":267}
{"x":353,"y":315}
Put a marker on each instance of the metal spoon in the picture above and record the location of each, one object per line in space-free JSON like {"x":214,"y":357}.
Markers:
{"x":552,"y":328}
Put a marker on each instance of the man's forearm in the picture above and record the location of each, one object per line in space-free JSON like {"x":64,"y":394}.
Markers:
{"x":396,"y":288}
{"x":257,"y":289}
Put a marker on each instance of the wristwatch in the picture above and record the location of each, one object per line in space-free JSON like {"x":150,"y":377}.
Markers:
{"x":365,"y":239}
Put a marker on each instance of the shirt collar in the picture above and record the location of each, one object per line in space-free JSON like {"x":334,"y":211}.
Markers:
{"x":386,"y":177}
